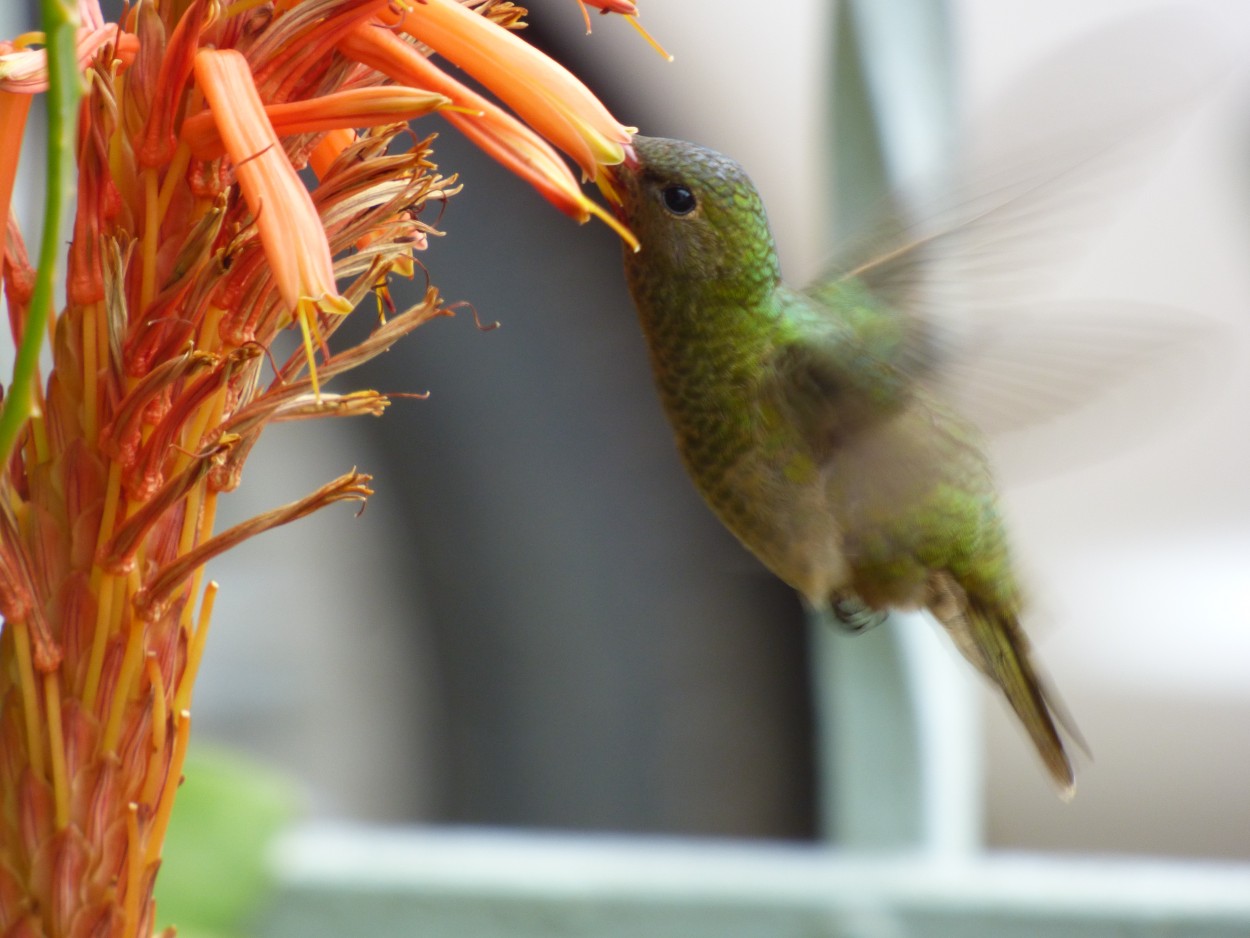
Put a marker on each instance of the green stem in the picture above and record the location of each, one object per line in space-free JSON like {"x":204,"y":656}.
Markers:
{"x":60,"y":24}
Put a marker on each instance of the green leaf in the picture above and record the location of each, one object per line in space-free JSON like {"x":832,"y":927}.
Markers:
{"x":214,"y":872}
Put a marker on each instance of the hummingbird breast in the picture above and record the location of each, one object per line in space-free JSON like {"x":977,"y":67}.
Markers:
{"x":760,"y":477}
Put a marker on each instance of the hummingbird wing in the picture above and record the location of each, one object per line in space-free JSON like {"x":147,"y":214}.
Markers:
{"x":1037,"y":168}
{"x":970,"y":261}
{"x":969,"y":320}
{"x":836,"y":362}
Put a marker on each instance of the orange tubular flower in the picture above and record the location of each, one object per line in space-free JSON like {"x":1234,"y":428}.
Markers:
{"x":13,"y":111}
{"x":510,"y":142}
{"x":340,"y":110}
{"x":196,"y":241}
{"x":546,"y":95}
{"x":329,"y":149}
{"x":290,"y":229}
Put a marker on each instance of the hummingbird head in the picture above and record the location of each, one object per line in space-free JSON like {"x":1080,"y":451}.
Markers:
{"x":696,"y":213}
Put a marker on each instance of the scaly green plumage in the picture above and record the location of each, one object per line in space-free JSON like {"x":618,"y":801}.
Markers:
{"x":801,"y":420}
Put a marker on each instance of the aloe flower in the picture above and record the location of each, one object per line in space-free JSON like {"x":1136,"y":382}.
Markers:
{"x":196,"y":240}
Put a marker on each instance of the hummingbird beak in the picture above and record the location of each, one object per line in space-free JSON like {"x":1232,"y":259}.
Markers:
{"x":613,"y":181}
{"x":610,"y":184}
{"x":631,"y":161}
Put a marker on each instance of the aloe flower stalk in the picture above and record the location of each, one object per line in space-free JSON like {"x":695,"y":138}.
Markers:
{"x":195,"y":242}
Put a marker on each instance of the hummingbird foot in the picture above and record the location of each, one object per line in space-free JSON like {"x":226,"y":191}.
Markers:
{"x":854,"y":615}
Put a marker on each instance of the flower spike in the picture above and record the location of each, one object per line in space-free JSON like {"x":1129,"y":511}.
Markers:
{"x":241,"y":165}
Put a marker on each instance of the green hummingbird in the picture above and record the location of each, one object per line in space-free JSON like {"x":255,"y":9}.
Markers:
{"x":805,"y":421}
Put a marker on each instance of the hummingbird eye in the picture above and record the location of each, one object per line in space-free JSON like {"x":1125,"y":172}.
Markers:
{"x":679,"y":200}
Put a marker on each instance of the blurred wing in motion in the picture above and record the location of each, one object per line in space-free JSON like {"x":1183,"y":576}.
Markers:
{"x":973,"y":281}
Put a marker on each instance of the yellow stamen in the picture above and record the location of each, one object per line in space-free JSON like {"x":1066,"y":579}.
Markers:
{"x":174,"y":176}
{"x":651,"y":40}
{"x":615,"y":224}
{"x":38,"y":426}
{"x":134,"y":869}
{"x":30,"y":700}
{"x":90,"y":381}
{"x":103,"y":587}
{"x":195,"y":648}
{"x":156,"y":683}
{"x":132,"y":662}
{"x":160,"y":821}
{"x":154,"y":778}
{"x":32,"y":38}
{"x":56,"y":745}
{"x":307,"y":315}
{"x":151,"y":234}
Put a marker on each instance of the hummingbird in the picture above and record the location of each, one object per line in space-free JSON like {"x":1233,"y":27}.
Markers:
{"x":806,"y":422}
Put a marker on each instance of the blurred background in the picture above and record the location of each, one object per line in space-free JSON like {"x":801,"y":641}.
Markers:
{"x":536,"y":623}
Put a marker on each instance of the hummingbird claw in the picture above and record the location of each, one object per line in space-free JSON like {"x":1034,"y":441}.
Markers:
{"x":854,"y":615}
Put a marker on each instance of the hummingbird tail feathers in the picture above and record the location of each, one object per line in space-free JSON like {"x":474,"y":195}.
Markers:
{"x":993,"y":641}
